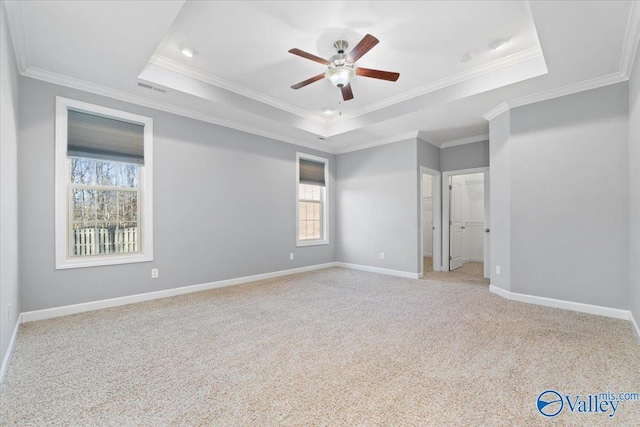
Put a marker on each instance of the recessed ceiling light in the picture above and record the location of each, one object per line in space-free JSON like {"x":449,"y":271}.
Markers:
{"x":466,"y":57}
{"x":188,"y":53}
{"x":327,"y":111}
{"x":498,"y":44}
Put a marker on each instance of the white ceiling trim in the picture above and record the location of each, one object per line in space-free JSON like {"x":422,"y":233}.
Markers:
{"x":495,"y":112}
{"x":15,"y":21}
{"x":424,"y":136}
{"x":178,"y":67}
{"x":463,"y":141}
{"x":631,"y":39}
{"x":594,"y":83}
{"x":377,"y":143}
{"x":82,"y":85}
{"x":508,"y":61}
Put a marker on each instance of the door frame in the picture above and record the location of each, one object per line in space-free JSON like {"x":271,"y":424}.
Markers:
{"x":445,"y":209}
{"x":437,"y":219}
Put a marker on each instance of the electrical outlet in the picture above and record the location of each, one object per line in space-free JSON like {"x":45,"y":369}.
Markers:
{"x":291,"y":256}
{"x":154,"y":273}
{"x":498,"y":270}
{"x":381,"y":255}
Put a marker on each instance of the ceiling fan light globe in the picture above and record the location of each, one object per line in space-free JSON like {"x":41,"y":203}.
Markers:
{"x":340,"y":76}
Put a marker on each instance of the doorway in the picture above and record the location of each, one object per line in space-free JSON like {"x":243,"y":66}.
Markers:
{"x":430,"y":221}
{"x":466,"y":218}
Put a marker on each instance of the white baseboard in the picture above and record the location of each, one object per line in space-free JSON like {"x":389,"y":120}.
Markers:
{"x":634,"y":324}
{"x":379,"y":270}
{"x":567,"y":305}
{"x":7,"y":356}
{"x":31,"y":316}
{"x":473,"y":260}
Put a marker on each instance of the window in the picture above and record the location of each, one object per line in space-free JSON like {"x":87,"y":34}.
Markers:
{"x":311,"y":195}
{"x":103,"y":186}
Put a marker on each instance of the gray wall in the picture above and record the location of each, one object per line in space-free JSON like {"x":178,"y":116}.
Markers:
{"x":224,"y":206}
{"x":634,"y":187}
{"x":377,"y":201}
{"x":429,"y":157}
{"x":8,"y":188}
{"x":570,"y":198}
{"x":500,"y":200}
{"x":467,"y":156}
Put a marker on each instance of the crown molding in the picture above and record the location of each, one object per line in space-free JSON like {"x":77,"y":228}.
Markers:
{"x":631,"y":39}
{"x":379,"y":142}
{"x":424,"y":136}
{"x":571,"y":89}
{"x":15,"y":21}
{"x":590,"y":84}
{"x":178,"y":67}
{"x":495,"y":112}
{"x":463,"y":141}
{"x":82,"y":85}
{"x":508,"y":61}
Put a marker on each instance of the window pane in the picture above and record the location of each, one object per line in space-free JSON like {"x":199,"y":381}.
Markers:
{"x":127,"y":206}
{"x":83,"y":171}
{"x":127,"y":175}
{"x":126,"y":238}
{"x":105,"y":238}
{"x":308,"y":230}
{"x":106,"y":173}
{"x":84,"y":205}
{"x":302,"y":210}
{"x":106,"y":207}
{"x":83,"y":238}
{"x":310,"y":212}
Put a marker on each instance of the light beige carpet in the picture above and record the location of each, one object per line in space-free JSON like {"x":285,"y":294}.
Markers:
{"x":332,"y":348}
{"x":470,"y":272}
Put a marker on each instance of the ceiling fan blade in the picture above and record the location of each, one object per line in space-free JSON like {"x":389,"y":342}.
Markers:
{"x":347,"y":93}
{"x":377,"y":74}
{"x":308,"y":81}
{"x":362,"y":47}
{"x":307,"y":55}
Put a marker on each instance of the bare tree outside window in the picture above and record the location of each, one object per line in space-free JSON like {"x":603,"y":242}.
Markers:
{"x":105,"y":211}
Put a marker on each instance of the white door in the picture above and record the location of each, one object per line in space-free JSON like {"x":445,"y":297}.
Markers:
{"x":455,"y":228}
{"x":487,"y":231}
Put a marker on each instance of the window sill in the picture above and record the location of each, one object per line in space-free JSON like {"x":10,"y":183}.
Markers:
{"x":311,"y":243}
{"x":98,"y":261}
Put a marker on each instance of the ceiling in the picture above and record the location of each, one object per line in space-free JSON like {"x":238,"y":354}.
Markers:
{"x":241,"y":73}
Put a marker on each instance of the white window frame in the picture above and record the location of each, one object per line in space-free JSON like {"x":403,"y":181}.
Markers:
{"x":324,"y":240}
{"x":64,"y":259}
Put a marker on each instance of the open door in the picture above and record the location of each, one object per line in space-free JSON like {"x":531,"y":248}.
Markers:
{"x":456,"y":226}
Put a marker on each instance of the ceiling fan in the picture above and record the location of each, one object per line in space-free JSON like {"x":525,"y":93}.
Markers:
{"x":342,"y":68}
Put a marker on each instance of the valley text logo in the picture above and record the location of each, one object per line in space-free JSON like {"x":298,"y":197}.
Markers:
{"x":551,"y":403}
